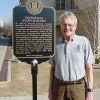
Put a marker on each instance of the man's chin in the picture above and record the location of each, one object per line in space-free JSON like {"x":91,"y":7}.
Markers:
{"x":68,"y":34}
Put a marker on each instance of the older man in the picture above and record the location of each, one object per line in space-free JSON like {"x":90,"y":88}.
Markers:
{"x":73,"y":61}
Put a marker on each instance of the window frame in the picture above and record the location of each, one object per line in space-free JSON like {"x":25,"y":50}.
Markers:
{"x":59,"y":4}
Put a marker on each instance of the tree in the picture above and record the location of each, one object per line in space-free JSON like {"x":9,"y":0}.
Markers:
{"x":7,"y":29}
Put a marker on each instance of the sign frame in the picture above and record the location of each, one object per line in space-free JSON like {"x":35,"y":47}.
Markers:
{"x":40,"y":55}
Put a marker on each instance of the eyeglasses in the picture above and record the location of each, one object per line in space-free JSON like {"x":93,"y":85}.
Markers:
{"x":68,"y":25}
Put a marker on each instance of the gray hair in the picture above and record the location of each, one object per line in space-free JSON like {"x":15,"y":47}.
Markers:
{"x":70,"y":15}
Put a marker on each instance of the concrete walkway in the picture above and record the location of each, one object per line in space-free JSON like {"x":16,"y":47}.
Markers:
{"x":3,"y":59}
{"x":39,"y":97}
{"x":3,"y":47}
{"x":45,"y":96}
{"x":96,"y":94}
{"x":2,"y":54}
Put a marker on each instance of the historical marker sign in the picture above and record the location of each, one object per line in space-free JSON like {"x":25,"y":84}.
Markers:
{"x":33,"y":30}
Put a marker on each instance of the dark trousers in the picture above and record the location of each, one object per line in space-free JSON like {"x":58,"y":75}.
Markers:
{"x":68,"y":92}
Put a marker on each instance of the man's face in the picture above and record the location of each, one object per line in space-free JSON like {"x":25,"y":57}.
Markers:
{"x":67,"y":28}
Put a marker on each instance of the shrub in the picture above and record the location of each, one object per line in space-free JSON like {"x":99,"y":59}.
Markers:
{"x":97,"y":60}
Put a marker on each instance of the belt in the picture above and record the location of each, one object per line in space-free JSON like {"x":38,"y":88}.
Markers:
{"x":80,"y":81}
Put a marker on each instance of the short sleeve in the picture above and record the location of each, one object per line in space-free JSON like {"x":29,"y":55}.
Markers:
{"x":88,"y":53}
{"x":52,"y":60}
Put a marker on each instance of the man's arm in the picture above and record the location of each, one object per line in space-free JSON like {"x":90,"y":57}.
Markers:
{"x":51,"y":79}
{"x":89,"y":73}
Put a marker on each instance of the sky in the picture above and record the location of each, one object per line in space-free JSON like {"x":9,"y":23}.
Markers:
{"x":6,"y":9}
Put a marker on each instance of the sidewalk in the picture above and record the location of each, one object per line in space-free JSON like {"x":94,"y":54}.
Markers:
{"x":39,"y":97}
{"x":4,"y":56}
{"x":45,"y":96}
{"x":96,"y":94}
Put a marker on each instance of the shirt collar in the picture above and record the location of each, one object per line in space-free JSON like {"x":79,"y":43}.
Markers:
{"x":72,"y":39}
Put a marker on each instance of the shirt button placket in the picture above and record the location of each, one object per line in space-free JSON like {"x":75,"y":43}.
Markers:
{"x":68,"y":48}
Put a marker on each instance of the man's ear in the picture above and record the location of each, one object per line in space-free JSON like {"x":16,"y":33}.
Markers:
{"x":76,"y":26}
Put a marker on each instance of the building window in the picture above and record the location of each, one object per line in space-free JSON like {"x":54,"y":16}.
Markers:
{"x":60,"y":4}
{"x":72,"y":4}
{"x":65,"y":4}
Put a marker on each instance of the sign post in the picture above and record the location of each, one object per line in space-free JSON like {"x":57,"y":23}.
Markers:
{"x":33,"y":35}
{"x":34,"y":72}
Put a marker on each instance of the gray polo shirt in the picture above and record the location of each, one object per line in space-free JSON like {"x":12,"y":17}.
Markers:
{"x":72,"y":57}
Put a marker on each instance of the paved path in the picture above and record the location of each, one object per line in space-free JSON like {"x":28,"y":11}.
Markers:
{"x":3,"y":59}
{"x":40,"y":97}
{"x":97,"y":94}
{"x":45,"y":96}
{"x":2,"y":53}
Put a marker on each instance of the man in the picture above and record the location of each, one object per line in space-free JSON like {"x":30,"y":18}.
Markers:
{"x":73,"y":58}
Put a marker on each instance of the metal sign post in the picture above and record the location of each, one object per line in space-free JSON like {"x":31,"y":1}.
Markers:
{"x":34,"y":72}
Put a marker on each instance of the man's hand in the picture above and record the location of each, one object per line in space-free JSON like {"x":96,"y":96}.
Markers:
{"x":89,"y":96}
{"x":50,"y":94}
